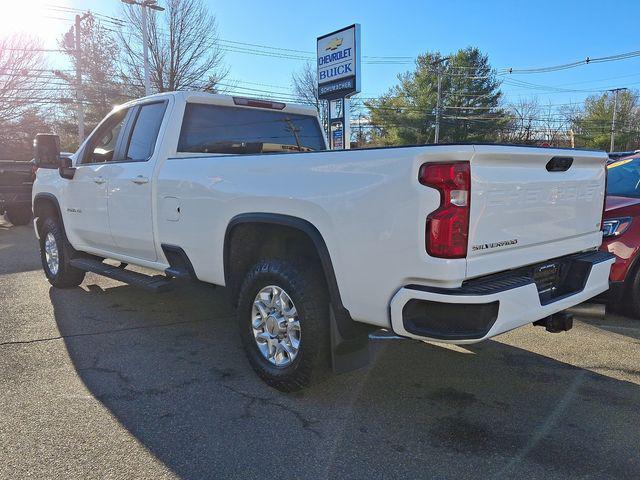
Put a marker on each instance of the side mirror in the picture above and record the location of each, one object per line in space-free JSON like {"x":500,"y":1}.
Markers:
{"x":66,"y":168}
{"x":46,"y":150}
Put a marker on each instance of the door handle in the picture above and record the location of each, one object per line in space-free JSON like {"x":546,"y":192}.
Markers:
{"x":140,"y":180}
{"x":99,"y":180}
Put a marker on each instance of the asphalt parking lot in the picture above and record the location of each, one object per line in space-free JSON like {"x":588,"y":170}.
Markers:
{"x":105,"y":381}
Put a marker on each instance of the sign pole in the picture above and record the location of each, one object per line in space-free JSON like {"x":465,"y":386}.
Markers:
{"x":347,"y":123}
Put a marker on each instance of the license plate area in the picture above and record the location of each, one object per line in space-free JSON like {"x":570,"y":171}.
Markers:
{"x":559,"y":278}
{"x":546,"y":278}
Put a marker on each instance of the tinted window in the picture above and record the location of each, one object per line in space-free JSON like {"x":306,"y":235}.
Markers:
{"x":216,"y":129}
{"x":623,"y":178}
{"x":101,"y":147}
{"x":145,"y":131}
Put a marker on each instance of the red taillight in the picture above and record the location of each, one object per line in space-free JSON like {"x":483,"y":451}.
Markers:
{"x":448,"y":227}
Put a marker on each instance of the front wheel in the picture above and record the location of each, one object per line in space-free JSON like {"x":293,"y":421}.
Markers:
{"x":55,"y":254}
{"x":283,"y":313}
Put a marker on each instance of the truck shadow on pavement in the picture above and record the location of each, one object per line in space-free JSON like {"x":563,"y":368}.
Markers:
{"x":617,"y":324}
{"x":171,"y":370}
{"x":19,"y":249}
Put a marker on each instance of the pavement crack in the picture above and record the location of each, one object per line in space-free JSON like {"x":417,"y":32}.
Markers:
{"x":128,"y":392}
{"x":90,"y":334}
{"x":255,"y":399}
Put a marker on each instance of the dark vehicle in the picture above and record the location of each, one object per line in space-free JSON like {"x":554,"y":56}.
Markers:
{"x":16,"y":181}
{"x":622,"y":233}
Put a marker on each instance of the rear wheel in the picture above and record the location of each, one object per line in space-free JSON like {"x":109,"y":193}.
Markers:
{"x":55,"y":253}
{"x":283,"y":319}
{"x":18,"y":215}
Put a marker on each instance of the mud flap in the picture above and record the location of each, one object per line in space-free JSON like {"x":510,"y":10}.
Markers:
{"x":348,"y":353}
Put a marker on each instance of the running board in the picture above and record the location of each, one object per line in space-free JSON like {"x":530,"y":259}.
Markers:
{"x":153,"y":284}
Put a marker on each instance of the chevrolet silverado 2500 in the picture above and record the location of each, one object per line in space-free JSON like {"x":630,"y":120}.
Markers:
{"x":448,"y":243}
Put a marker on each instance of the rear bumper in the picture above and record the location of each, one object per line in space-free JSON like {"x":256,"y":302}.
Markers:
{"x":483,"y":308}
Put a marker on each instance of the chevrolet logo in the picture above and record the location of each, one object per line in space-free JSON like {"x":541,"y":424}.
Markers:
{"x":334,"y":44}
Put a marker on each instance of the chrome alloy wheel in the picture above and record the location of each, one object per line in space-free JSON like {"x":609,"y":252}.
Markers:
{"x":51,"y":253}
{"x":275,"y":326}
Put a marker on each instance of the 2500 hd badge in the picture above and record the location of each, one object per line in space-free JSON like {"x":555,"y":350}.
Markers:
{"x":486,"y":246}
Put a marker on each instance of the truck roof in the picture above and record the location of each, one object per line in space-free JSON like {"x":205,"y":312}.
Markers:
{"x":231,"y":101}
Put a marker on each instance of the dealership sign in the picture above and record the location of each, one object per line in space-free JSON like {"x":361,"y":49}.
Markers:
{"x":339,"y":63}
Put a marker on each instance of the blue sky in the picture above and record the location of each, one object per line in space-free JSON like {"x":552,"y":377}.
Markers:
{"x":514,"y":34}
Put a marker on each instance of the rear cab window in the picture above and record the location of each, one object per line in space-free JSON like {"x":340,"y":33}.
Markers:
{"x":238,"y":130}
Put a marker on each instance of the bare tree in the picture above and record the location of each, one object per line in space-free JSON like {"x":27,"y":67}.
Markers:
{"x":554,"y":126}
{"x":522,"y":124}
{"x":530,"y":123}
{"x":183,"y":48}
{"x":304,"y":83}
{"x":23,"y":94}
{"x":20,"y":62}
{"x":305,"y":86}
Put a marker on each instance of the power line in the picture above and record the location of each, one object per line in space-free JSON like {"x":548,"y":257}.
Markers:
{"x":298,"y":54}
{"x":565,"y":66}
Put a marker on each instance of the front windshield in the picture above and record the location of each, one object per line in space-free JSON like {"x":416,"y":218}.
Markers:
{"x":624,"y":178}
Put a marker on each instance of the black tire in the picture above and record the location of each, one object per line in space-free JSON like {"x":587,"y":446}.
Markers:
{"x":66,"y":276}
{"x":18,"y":215}
{"x":631,"y":295}
{"x":307,"y":290}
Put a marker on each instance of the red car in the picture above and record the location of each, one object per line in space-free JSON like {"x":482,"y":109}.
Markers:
{"x":622,"y":232}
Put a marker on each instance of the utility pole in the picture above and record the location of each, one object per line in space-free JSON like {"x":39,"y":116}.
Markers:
{"x":437,"y":134}
{"x":79,"y":98}
{"x":438,"y":64}
{"x":613,"y":117}
{"x":152,"y":4}
{"x":73,"y":44}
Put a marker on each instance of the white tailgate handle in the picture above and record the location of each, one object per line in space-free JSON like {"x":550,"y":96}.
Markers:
{"x":140,"y":180}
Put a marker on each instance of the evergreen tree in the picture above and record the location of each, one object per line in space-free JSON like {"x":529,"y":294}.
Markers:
{"x":470,"y":95}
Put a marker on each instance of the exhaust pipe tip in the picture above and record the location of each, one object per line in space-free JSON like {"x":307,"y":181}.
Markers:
{"x":556,"y":323}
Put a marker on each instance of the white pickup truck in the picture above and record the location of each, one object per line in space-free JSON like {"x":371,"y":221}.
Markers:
{"x":447,"y":243}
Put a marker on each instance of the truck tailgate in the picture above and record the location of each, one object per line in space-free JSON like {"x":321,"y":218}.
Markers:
{"x":522,"y":211}
{"x":13,"y":174}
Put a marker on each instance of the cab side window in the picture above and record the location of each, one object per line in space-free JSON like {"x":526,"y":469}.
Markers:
{"x":102,"y":146}
{"x":145,"y":132}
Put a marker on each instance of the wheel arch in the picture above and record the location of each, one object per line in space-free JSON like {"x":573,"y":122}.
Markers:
{"x":343,"y":318}
{"x":296,"y":223}
{"x":44,"y":203}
